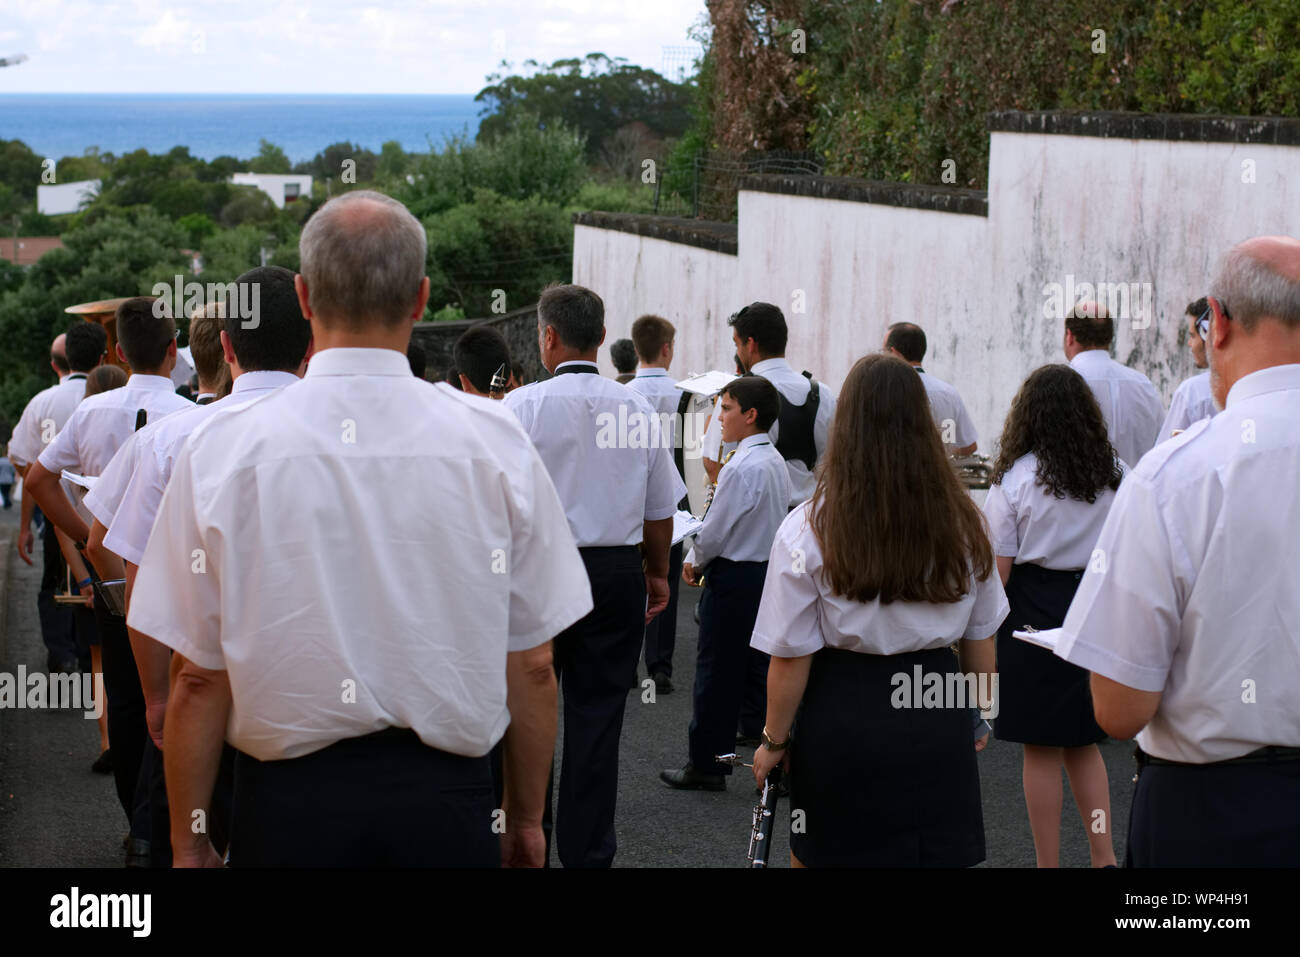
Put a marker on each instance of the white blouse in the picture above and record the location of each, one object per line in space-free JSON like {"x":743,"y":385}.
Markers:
{"x":800,"y":614}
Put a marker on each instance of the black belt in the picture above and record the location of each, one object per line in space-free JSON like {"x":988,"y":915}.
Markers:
{"x":1273,"y":754}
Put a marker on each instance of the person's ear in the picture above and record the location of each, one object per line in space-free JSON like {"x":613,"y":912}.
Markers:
{"x":422,"y":300}
{"x":603,"y":330}
{"x":304,"y":300}
{"x":120,"y":354}
{"x":751,"y":415}
{"x":1220,"y":327}
{"x":227,"y":350}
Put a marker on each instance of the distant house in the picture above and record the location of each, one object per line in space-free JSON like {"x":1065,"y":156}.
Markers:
{"x":25,"y":250}
{"x":60,"y":198}
{"x":282,"y":188}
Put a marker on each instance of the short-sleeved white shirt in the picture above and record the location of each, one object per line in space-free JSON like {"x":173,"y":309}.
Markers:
{"x":661,"y":391}
{"x":749,"y":505}
{"x":360,"y":550}
{"x":1129,"y":403}
{"x":44,"y":417}
{"x":800,"y":614}
{"x":102,"y":423}
{"x":602,"y":445}
{"x":947,"y":407}
{"x":1193,"y":400}
{"x":794,"y":388}
{"x":1198,"y":596}
{"x":1029,"y":524}
{"x":126,"y":499}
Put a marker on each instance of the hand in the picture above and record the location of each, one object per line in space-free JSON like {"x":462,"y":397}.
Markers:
{"x":982,"y":743}
{"x":25,"y":542}
{"x":688,"y":575}
{"x":88,"y":593}
{"x":765,"y":761}
{"x":154,"y":712}
{"x":523,"y":846}
{"x":656,"y":590}
{"x":200,"y":855}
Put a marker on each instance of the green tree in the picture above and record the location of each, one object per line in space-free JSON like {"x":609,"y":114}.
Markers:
{"x":269,"y":159}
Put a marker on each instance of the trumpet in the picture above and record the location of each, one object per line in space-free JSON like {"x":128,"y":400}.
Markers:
{"x":760,"y":831}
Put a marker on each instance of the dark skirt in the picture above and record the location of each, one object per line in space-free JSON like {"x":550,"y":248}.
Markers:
{"x":1042,"y":698}
{"x":880,"y":786}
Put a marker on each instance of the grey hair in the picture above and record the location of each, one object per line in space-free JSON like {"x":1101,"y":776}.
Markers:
{"x":361,"y":265}
{"x":1252,"y":290}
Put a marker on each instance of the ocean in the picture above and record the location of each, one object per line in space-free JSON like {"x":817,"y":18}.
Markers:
{"x":56,"y":125}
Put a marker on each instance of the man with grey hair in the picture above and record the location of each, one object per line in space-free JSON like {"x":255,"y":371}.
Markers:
{"x":1129,"y":402}
{"x":1189,"y":612}
{"x":362,"y":693}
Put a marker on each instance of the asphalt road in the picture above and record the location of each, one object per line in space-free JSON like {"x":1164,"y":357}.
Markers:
{"x":55,"y":812}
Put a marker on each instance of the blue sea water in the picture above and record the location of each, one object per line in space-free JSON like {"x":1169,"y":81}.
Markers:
{"x":66,"y":124}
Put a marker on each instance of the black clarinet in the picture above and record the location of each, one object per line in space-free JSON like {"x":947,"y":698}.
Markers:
{"x":760,"y":831}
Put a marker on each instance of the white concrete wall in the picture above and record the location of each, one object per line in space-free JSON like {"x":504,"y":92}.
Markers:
{"x":273,"y":184}
{"x":1112,"y":210}
{"x":59,"y":198}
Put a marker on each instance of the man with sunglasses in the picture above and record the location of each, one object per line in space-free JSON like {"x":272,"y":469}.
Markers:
{"x":1193,"y":400}
{"x":1189,"y":612}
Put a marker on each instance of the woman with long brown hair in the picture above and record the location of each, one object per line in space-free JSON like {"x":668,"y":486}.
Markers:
{"x":1052,"y":487}
{"x":869,"y":585}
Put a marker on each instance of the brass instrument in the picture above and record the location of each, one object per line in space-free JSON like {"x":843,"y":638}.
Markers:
{"x":760,"y":832}
{"x":497,"y":387}
{"x":975,"y":470}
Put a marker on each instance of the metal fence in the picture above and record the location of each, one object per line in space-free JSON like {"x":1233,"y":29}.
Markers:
{"x":707,"y":187}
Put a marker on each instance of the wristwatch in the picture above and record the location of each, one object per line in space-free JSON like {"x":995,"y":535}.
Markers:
{"x":772,"y":745}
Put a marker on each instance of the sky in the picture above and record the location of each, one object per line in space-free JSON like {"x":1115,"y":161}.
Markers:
{"x":318,"y":46}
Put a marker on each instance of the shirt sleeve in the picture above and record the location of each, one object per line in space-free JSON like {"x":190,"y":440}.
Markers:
{"x":990,"y":610}
{"x":25,"y":443}
{"x":825,"y":415}
{"x":966,"y":434}
{"x":549,"y":588}
{"x":788,"y":625}
{"x":103,"y":500}
{"x":177,"y":594}
{"x":711,"y":447}
{"x":1178,"y":415}
{"x":731,"y":502}
{"x":137,"y":507}
{"x":1125,"y":620}
{"x":664,"y":486}
{"x":63,"y":452}
{"x":1001,"y":515}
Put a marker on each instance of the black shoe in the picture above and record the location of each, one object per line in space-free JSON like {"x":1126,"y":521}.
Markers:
{"x":746,"y":741}
{"x":663,"y":684}
{"x":137,"y":853}
{"x":689,"y":779}
{"x":104,"y":763}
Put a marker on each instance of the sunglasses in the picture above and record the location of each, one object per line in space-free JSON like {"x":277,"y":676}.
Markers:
{"x":1203,"y":323}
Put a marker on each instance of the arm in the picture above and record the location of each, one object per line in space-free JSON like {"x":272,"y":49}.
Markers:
{"x":979,"y":656}
{"x":197,"y":713}
{"x":76,"y":567}
{"x":1122,"y":711}
{"x":43,"y":485}
{"x":786,"y":680}
{"x":108,"y":565}
{"x":27,"y":514}
{"x":153,"y":661}
{"x":1004,"y":567}
{"x":711,"y":468}
{"x":657,"y":541}
{"x":529,"y":749}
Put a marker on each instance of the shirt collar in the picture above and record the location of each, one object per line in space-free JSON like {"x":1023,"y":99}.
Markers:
{"x":1090,"y":357}
{"x":73,"y":376}
{"x":768,"y":365}
{"x":263,"y":381}
{"x":358,"y":361}
{"x":1273,"y":379}
{"x":749,"y":441}
{"x":650,"y":372}
{"x":575,"y":362}
{"x":152,"y":382}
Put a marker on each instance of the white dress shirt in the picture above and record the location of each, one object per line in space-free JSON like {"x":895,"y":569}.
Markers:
{"x":602,"y":446}
{"x":1129,"y":403}
{"x":1029,"y":524}
{"x":1198,"y":596}
{"x":1192,"y":402}
{"x":949,"y":412}
{"x":660,"y":390}
{"x":794,"y":388}
{"x":131,"y":506}
{"x":102,"y":423}
{"x":800,"y":614}
{"x":44,"y":417}
{"x":749,"y":505}
{"x":360,"y":550}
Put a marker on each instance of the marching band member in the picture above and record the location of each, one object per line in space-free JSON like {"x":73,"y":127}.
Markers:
{"x":1193,"y":400}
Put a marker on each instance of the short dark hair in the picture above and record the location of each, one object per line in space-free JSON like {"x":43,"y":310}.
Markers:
{"x":755,"y":392}
{"x":623,"y":354}
{"x":415,"y":356}
{"x":84,"y":344}
{"x":764,"y":323}
{"x":575,"y":313}
{"x":1091,"y":325}
{"x":908,"y":339}
{"x":650,"y":334}
{"x":278,"y":338}
{"x":144,"y":331}
{"x":453,"y":379}
{"x":480,"y":352}
{"x":1197,"y":308}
